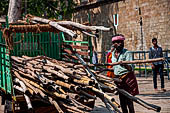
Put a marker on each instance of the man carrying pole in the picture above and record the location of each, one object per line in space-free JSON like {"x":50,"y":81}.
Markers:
{"x":124,"y":72}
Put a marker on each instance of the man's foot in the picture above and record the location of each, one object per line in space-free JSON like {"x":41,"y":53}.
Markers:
{"x":162,"y":89}
{"x":156,"y":90}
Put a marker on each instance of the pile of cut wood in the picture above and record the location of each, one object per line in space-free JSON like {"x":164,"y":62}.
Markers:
{"x":69,"y":86}
{"x":65,"y":85}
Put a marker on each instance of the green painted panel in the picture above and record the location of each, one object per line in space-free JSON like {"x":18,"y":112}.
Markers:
{"x":5,"y":76}
{"x":34,"y":44}
{"x":8,"y":77}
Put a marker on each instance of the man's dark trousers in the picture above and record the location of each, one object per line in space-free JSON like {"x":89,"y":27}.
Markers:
{"x":158,"y":68}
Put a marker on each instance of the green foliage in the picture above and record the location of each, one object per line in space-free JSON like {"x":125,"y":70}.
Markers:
{"x":43,"y":8}
{"x":50,"y":8}
{"x":4,"y":7}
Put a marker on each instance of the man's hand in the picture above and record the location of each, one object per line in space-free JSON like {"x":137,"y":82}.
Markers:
{"x":121,"y":64}
{"x":125,"y":65}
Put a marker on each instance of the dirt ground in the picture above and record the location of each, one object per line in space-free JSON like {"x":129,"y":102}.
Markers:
{"x":148,"y":94}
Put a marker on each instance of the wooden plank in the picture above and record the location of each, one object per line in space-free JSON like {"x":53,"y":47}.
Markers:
{"x":79,"y":47}
{"x":74,"y":57}
{"x":79,"y":52}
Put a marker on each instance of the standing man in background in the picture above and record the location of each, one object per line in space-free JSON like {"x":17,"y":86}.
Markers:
{"x":124,"y":72}
{"x":156,"y":52}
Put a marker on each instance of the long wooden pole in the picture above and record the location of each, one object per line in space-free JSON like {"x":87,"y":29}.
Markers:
{"x":130,"y":62}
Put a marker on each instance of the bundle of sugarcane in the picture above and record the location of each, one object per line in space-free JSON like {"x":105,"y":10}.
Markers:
{"x":63,"y":84}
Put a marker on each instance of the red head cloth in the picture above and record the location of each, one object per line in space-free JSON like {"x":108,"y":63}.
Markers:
{"x":118,"y":38}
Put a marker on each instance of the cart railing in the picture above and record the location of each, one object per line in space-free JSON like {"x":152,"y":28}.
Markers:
{"x":33,"y":44}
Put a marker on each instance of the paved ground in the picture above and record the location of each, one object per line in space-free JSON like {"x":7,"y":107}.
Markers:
{"x":147,"y":93}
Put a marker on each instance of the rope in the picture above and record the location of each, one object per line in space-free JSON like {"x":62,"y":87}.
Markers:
{"x":8,"y":38}
{"x":32,"y":28}
{"x":8,"y":32}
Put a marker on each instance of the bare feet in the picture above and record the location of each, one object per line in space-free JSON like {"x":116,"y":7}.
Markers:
{"x":162,"y":89}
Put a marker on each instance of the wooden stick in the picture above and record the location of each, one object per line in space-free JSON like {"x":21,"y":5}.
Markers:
{"x":19,"y":77}
{"x":28,"y":101}
{"x":17,"y":59}
{"x":56,"y":25}
{"x":84,"y":82}
{"x":71,"y":107}
{"x":18,"y":88}
{"x":139,"y":101}
{"x":91,"y":35}
{"x":79,"y":105}
{"x":25,"y":74}
{"x":55,"y":72}
{"x":104,"y":94}
{"x":88,"y":95}
{"x":63,"y":84}
{"x":52,"y":93}
{"x":84,"y":27}
{"x":65,"y":70}
{"x":65,"y":30}
{"x":29,"y":105}
{"x":31,"y":91}
{"x":21,"y":84}
{"x":129,"y":62}
{"x":56,"y":105}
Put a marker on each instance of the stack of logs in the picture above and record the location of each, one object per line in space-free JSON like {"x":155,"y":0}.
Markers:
{"x":68,"y":86}
{"x":65,"y":85}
